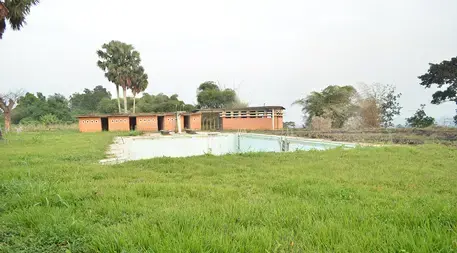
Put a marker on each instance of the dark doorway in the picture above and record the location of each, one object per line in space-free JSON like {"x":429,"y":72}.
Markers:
{"x":105,"y":124}
{"x":160,"y":123}
{"x":186,"y":121}
{"x":132,"y":122}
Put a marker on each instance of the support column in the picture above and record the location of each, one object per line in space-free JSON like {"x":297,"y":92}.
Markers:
{"x":178,"y":121}
{"x":273,"y":119}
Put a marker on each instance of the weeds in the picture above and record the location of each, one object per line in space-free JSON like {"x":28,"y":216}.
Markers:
{"x":387,"y":199}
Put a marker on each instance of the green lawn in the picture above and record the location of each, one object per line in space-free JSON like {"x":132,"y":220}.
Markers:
{"x":55,"y":197}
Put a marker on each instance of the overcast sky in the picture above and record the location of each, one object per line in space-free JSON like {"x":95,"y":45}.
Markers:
{"x":271,"y":52}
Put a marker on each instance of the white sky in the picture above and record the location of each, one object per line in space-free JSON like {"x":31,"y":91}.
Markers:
{"x":270,"y":51}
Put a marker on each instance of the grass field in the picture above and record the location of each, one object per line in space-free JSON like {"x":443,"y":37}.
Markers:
{"x":55,"y":197}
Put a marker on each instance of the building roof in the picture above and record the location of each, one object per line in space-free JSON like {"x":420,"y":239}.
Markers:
{"x":251,"y":108}
{"x":132,"y":115}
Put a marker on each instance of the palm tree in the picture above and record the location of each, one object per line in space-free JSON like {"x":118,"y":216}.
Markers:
{"x":139,"y":83}
{"x":119,"y":60}
{"x":15,"y":12}
{"x":334,"y":102}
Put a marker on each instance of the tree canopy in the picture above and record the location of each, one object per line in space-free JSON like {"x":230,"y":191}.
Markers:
{"x":39,"y":109}
{"x":14,"y":11}
{"x":162,"y":103}
{"x":209,"y":95}
{"x":442,"y":74}
{"x":334,"y":102}
{"x":420,"y":119}
{"x":89,"y":100}
{"x":31,"y":108}
{"x":379,"y":104}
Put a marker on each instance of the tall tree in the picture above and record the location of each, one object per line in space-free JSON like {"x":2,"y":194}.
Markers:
{"x":334,"y":102}
{"x":442,"y":74}
{"x":379,"y":104}
{"x":139,"y":83}
{"x":420,"y":119}
{"x":15,"y":12}
{"x":118,"y":60}
{"x":7,"y":103}
{"x":209,"y":95}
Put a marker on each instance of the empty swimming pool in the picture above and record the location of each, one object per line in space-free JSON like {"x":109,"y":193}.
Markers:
{"x":136,"y":148}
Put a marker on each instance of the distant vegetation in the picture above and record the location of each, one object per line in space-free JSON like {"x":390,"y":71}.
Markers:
{"x":444,"y":75}
{"x":420,"y":119}
{"x":345,"y":107}
{"x":210,"y":95}
{"x":376,"y":105}
{"x":34,"y":109}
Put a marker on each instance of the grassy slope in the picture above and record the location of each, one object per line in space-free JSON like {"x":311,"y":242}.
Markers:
{"x":54,"y":196}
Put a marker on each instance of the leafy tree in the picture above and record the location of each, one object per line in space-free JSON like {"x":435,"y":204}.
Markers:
{"x":289,"y":124}
{"x":385,"y":101}
{"x":89,"y":100}
{"x":107,"y":106}
{"x":7,"y":103}
{"x":31,"y":108}
{"x":59,"y":106}
{"x":49,"y":119}
{"x":442,"y":74}
{"x":209,"y":95}
{"x":162,"y":103}
{"x":139,"y":83}
{"x":334,"y":102}
{"x":420,"y":119}
{"x":118,"y":60}
{"x":15,"y":12}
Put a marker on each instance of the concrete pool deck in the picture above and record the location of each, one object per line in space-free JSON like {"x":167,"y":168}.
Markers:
{"x":152,"y":145}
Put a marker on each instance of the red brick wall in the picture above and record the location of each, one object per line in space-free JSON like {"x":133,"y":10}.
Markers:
{"x":119,"y":123}
{"x":278,"y":123}
{"x":196,"y":121}
{"x":147,"y":123}
{"x":181,"y":121}
{"x":246,"y":123}
{"x":90,"y":124}
{"x":169,"y":122}
{"x":251,"y":123}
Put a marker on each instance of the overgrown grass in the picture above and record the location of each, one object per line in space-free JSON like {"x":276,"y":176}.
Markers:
{"x":412,"y":136}
{"x":54,"y":197}
{"x":43,"y":127}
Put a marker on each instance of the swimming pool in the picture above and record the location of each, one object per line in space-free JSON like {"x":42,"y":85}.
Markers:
{"x":137,"y":148}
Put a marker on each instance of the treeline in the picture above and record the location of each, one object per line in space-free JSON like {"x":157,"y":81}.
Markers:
{"x":369,"y":106}
{"x":37,"y":108}
{"x":373,"y":106}
{"x":34,"y":109}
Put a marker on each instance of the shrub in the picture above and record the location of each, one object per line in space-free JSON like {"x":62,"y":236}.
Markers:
{"x":49,"y":119}
{"x":353,"y":123}
{"x":321,"y":124}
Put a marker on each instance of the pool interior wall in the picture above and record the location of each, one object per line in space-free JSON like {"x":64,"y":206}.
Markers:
{"x":137,"y":148}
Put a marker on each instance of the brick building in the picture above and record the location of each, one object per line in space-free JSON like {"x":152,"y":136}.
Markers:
{"x":250,"y":118}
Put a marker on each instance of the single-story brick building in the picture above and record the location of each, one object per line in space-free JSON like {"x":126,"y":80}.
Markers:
{"x":148,"y":122}
{"x":250,"y":118}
